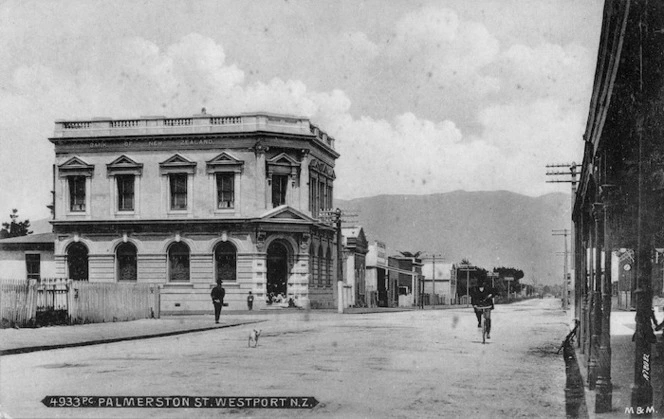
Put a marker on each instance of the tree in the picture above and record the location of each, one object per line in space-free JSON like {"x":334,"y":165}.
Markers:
{"x":472,"y":277}
{"x":503,"y":272}
{"x":15,"y":228}
{"x":415,"y":255}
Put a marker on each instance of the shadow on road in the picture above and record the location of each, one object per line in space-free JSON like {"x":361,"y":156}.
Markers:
{"x":575,"y":401}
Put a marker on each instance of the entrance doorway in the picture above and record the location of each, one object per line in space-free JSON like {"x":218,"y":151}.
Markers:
{"x":277,"y":269}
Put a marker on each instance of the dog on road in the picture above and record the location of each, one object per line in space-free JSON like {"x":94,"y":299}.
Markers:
{"x":253,"y":337}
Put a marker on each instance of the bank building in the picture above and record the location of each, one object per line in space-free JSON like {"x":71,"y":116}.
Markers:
{"x":184,"y":202}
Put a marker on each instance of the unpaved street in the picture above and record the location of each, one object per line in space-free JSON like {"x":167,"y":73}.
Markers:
{"x":397,"y":365}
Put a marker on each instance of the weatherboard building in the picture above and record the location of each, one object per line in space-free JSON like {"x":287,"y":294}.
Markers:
{"x":184,"y":202}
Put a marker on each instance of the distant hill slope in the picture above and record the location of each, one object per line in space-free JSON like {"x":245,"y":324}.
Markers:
{"x":490,"y":229}
{"x":42,"y":225}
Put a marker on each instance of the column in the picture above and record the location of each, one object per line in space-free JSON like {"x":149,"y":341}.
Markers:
{"x":596,"y":313}
{"x":579,"y":276}
{"x":604,"y":396}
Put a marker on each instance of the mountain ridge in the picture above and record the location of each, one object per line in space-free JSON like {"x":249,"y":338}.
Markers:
{"x":490,"y":228}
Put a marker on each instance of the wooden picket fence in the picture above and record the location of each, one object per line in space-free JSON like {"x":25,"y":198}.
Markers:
{"x":104,"y":302}
{"x":18,"y":302}
{"x":23,"y":302}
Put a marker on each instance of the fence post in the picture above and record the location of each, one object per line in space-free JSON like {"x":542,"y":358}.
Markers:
{"x":31,"y":302}
{"x":71,"y":304}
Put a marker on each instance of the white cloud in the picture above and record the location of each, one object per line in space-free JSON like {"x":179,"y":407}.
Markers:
{"x":545,"y":71}
{"x":357,"y":43}
{"x":438,"y":73}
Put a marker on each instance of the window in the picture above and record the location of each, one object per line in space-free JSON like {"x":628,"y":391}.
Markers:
{"x":126,"y":262}
{"x":328,"y":266}
{"x":322,"y":201}
{"x":279,"y":185}
{"x":314,"y":269}
{"x":32,"y":265}
{"x":321,"y":272}
{"x":225,"y":260}
{"x":313,"y":205}
{"x":125,"y":192}
{"x":178,"y":262}
{"x":77,"y":193}
{"x":312,"y":264}
{"x":178,"y":184}
{"x":225,"y":190}
{"x":329,"y":197}
{"x":77,"y":262}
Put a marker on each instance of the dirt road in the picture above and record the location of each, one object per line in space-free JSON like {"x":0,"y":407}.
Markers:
{"x":390,"y":365}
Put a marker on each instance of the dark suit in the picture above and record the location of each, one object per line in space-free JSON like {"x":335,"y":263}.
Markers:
{"x":218,"y":293}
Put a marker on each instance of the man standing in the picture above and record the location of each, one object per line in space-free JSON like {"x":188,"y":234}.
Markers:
{"x":218,"y":293}
{"x":250,"y":301}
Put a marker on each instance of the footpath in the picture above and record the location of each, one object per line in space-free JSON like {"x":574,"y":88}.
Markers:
{"x":25,"y":340}
{"x":623,"y":325}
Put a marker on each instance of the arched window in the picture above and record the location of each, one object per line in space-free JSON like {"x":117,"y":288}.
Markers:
{"x":321,"y":271}
{"x":312,"y":257}
{"x":125,"y":256}
{"x":77,"y":262}
{"x":328,"y":266}
{"x":225,"y":257}
{"x":178,"y":262}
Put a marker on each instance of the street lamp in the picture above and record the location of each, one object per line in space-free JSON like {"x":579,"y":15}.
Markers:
{"x":468,"y":268}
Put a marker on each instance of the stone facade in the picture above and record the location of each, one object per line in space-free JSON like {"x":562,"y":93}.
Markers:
{"x":186,"y":201}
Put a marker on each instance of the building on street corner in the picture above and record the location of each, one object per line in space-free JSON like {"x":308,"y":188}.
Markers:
{"x":185,"y":202}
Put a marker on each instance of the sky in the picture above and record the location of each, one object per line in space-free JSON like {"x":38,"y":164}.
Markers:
{"x":422,"y":96}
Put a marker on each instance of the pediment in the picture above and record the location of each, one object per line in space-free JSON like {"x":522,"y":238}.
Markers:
{"x":283,"y":159}
{"x":124,"y":164}
{"x":124,"y":161}
{"x":177,"y":159}
{"x":322,"y":168}
{"x":76,"y":166}
{"x":224,"y":162}
{"x":177,"y":163}
{"x":286,"y":213}
{"x":75,"y":163}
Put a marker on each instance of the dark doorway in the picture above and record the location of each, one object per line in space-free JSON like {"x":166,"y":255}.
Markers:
{"x":277,"y":269}
{"x":382,"y":288}
{"x":77,"y":262}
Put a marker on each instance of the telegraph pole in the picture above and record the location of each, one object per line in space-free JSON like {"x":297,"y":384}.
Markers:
{"x":468,"y":268}
{"x":340,"y":258}
{"x":565,"y":232}
{"x":433,"y":274}
{"x":334,"y":217}
{"x":567,"y":173}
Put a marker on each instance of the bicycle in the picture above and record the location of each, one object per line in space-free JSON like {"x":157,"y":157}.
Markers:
{"x":486,"y":321}
{"x":569,"y":339}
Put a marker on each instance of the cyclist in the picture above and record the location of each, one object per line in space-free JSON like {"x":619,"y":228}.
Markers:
{"x":481,"y":297}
